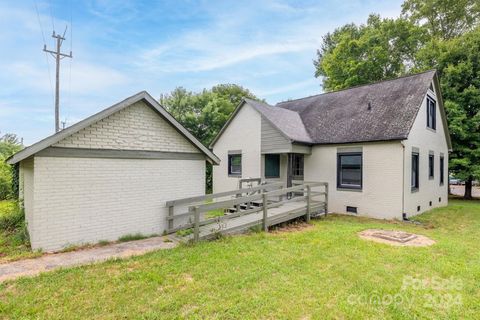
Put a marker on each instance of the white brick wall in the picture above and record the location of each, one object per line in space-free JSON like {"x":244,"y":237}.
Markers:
{"x":426,"y":140}
{"x":137,"y":127}
{"x":85,"y":200}
{"x":381,"y":194}
{"x":26,"y":176}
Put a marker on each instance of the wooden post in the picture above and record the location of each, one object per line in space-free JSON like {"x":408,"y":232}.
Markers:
{"x":170,"y":221}
{"x":326,"y":199}
{"x":281,"y":196}
{"x":196,"y":230}
{"x":309,"y":205}
{"x":265,"y":212}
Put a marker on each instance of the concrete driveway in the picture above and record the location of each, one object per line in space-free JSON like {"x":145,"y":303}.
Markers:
{"x":460,"y":191}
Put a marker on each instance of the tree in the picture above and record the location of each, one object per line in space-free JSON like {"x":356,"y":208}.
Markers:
{"x":381,"y":49}
{"x":458,"y":62}
{"x":9,"y":144}
{"x":205,"y":113}
{"x":445,"y":19}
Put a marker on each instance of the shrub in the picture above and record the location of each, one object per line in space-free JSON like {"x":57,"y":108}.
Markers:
{"x":12,"y":218}
{"x":12,"y":222}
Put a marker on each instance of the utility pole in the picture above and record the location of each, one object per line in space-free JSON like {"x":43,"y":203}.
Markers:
{"x":58,"y":56}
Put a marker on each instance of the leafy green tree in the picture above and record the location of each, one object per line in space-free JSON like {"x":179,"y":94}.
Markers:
{"x":445,"y":19}
{"x":9,"y":144}
{"x":381,"y":49}
{"x":458,"y":62}
{"x":205,"y":113}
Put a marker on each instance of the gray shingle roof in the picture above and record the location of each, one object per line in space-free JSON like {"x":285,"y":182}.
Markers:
{"x":287,"y":121}
{"x":344,"y":116}
{"x":375,"y":112}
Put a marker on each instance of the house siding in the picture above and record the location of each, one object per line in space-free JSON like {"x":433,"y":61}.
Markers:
{"x":26,"y":191}
{"x":85,"y":200}
{"x":426,"y":140}
{"x":244,"y":134}
{"x":137,"y":127}
{"x":273,"y":141}
{"x":381,"y":194}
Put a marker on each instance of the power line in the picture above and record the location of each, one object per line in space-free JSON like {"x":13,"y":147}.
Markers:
{"x":46,"y":57}
{"x":69,"y":95}
{"x":51,"y":15}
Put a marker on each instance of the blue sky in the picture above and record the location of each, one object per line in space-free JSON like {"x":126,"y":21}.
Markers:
{"x":122,"y":47}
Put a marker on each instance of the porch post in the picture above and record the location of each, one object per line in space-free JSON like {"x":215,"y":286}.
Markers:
{"x":309,"y":204}
{"x":265,"y":212}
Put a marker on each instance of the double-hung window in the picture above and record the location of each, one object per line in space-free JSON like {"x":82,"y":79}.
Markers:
{"x":415,"y":169}
{"x":235,"y":164}
{"x":431,"y":113}
{"x":349,"y":170}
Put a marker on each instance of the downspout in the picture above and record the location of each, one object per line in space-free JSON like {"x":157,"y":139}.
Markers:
{"x":404,"y":214}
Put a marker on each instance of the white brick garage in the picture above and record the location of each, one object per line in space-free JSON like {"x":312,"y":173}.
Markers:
{"x":109,"y":175}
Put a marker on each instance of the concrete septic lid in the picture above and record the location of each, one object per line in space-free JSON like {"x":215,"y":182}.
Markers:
{"x":396,"y":238}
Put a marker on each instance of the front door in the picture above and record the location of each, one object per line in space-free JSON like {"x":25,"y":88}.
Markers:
{"x":294,"y":168}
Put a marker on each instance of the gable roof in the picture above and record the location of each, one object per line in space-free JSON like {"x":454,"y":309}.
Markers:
{"x":286,"y":121}
{"x":380,"y":111}
{"x":141,"y":96}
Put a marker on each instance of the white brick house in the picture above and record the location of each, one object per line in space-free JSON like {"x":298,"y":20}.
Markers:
{"x":383,"y":148}
{"x":109,"y":175}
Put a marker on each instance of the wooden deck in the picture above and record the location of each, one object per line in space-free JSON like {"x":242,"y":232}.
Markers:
{"x":245,"y":209}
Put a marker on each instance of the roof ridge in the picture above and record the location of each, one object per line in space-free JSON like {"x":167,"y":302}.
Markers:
{"x":359,"y":86}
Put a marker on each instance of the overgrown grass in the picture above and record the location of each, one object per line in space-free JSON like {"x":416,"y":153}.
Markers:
{"x":214,"y":213}
{"x":322,"y":272}
{"x":132,"y":237}
{"x":14,"y":240}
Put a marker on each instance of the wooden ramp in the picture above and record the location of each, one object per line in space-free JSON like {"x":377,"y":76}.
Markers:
{"x":240,"y":210}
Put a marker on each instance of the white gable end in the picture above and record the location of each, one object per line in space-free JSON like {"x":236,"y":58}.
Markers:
{"x":137,"y":127}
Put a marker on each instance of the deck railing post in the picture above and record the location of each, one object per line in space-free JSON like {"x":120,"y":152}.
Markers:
{"x":326,"y":199}
{"x":196,"y":228}
{"x":265,"y":212}
{"x":309,"y":204}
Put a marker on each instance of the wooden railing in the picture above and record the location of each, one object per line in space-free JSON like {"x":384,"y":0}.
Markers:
{"x":266,"y":196}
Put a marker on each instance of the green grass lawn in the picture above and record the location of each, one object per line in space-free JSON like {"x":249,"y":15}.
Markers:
{"x":12,"y":243}
{"x":324,"y":271}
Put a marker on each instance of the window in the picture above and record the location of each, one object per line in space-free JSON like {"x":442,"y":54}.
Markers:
{"x":431,"y":113}
{"x":297,"y":166}
{"x":349,"y":170}
{"x":414,"y":183}
{"x":235,"y":164}
{"x":431,"y":166}
{"x":352,"y":209}
{"x":442,"y":170}
{"x":272,"y":166}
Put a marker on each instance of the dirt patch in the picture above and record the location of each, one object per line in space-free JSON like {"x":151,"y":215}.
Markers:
{"x":292,"y":226}
{"x":396,"y":238}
